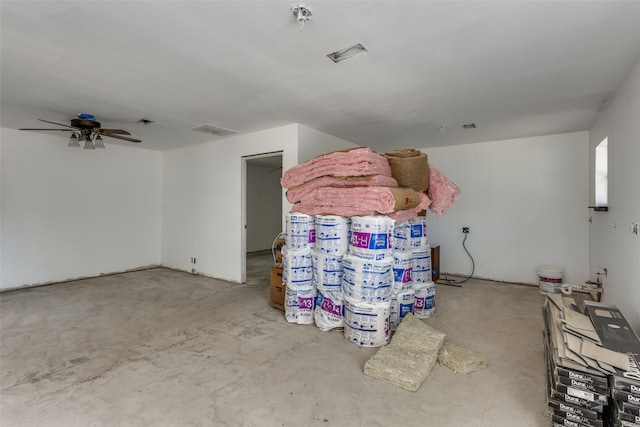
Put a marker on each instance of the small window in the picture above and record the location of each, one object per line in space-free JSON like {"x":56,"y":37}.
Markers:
{"x":602,"y":173}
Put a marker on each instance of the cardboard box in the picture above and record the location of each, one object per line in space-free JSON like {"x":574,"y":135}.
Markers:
{"x":278,"y":289}
{"x":277,"y":249}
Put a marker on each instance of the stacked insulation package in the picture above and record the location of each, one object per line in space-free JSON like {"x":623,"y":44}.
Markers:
{"x":356,"y":254}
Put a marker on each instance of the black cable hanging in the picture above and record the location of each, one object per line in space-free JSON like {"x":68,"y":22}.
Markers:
{"x":473,"y":265}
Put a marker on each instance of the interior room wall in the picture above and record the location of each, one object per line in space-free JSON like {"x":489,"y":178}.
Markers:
{"x":264,"y":216}
{"x":202,"y":200}
{"x":69,"y":213}
{"x":611,"y":243}
{"x":525,"y":201}
{"x":314,"y":143}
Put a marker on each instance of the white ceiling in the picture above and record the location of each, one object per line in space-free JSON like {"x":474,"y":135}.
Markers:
{"x":514,"y":68}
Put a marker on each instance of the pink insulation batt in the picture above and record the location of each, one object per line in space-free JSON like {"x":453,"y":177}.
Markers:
{"x":443,"y":193}
{"x":357,"y":162}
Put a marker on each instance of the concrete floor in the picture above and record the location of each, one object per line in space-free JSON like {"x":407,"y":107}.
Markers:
{"x":166,"y":348}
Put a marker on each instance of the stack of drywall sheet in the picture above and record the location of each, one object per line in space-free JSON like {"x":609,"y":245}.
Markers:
{"x":577,"y":390}
{"x":616,"y":334}
{"x":592,"y":366}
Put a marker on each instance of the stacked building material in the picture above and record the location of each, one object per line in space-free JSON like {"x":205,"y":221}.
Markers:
{"x":591,"y":356}
{"x":381,"y":258}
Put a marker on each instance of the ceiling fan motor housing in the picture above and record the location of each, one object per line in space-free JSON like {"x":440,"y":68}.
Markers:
{"x":85,"y":123}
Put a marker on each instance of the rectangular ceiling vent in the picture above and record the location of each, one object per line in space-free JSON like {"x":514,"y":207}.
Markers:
{"x":215,"y":130}
{"x":348,"y":53}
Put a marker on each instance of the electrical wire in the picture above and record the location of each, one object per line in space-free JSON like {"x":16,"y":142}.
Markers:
{"x":473,"y":265}
{"x":273,"y":246}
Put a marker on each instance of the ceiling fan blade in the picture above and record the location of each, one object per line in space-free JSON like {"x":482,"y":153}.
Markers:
{"x":64,"y":130}
{"x":121,"y":137}
{"x":116,"y":131}
{"x":59,"y":124}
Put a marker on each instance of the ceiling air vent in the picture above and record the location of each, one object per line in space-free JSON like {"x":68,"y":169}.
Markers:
{"x":215,"y":130}
{"x":348,"y":53}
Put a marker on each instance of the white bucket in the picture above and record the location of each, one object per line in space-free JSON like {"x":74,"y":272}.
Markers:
{"x":550,"y":278}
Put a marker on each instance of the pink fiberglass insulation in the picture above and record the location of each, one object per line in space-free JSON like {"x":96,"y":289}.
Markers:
{"x":443,"y":193}
{"x":383,"y":200}
{"x":346,"y":211}
{"x":296,"y":193}
{"x":357,"y":162}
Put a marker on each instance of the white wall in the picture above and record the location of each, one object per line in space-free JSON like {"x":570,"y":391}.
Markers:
{"x":202,"y":200}
{"x":525,"y":201}
{"x":611,"y":243}
{"x":69,"y":213}
{"x":263,"y":211}
{"x":314,"y":143}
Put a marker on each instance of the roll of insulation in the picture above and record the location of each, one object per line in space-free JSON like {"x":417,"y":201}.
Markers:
{"x":371,"y":236}
{"x":421,"y":267}
{"x":297,"y":268}
{"x":299,"y":305}
{"x":299,"y":231}
{"x":424,"y":305}
{"x":331,"y":234}
{"x":367,"y":281}
{"x":402,"y":266}
{"x":418,"y":233}
{"x":327,"y":271}
{"x":328,"y":311}
{"x":366,"y":325}
{"x":401,"y":305}
{"x":410,"y":168}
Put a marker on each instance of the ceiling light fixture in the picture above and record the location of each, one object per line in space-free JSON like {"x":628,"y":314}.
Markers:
{"x":348,"y":53}
{"x":302,"y":14}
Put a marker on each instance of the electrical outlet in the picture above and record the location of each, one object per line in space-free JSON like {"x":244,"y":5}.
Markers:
{"x":192,"y":260}
{"x":465,"y":230}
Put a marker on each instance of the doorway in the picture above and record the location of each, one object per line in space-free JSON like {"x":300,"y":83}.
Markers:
{"x":262,"y":204}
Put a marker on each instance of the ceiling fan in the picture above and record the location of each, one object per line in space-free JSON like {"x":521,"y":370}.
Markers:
{"x":86,"y":129}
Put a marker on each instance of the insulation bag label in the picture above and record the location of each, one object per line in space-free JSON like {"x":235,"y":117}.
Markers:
{"x":299,"y":305}
{"x":425,"y":300}
{"x":371,"y":236}
{"x":366,"y":325}
{"x":332,"y":234}
{"x":327,"y":271}
{"x":422,"y":259}
{"x":299,"y":231}
{"x":367,"y":280}
{"x":328,"y":311}
{"x":297,"y":267}
{"x":401,"y":304}
{"x":402,"y":268}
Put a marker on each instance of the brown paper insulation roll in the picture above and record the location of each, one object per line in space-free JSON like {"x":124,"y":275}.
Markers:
{"x":410,"y":168}
{"x":406,"y":198}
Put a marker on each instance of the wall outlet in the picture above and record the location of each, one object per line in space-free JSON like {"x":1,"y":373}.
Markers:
{"x":465,"y":230}
{"x":193,"y":260}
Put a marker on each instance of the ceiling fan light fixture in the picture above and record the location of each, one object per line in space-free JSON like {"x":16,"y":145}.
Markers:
{"x":98,"y":143}
{"x":73,"y":141}
{"x":88,"y":144}
{"x":348,"y":53}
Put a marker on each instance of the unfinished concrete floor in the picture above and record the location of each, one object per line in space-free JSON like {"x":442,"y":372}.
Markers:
{"x":166,"y":348}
